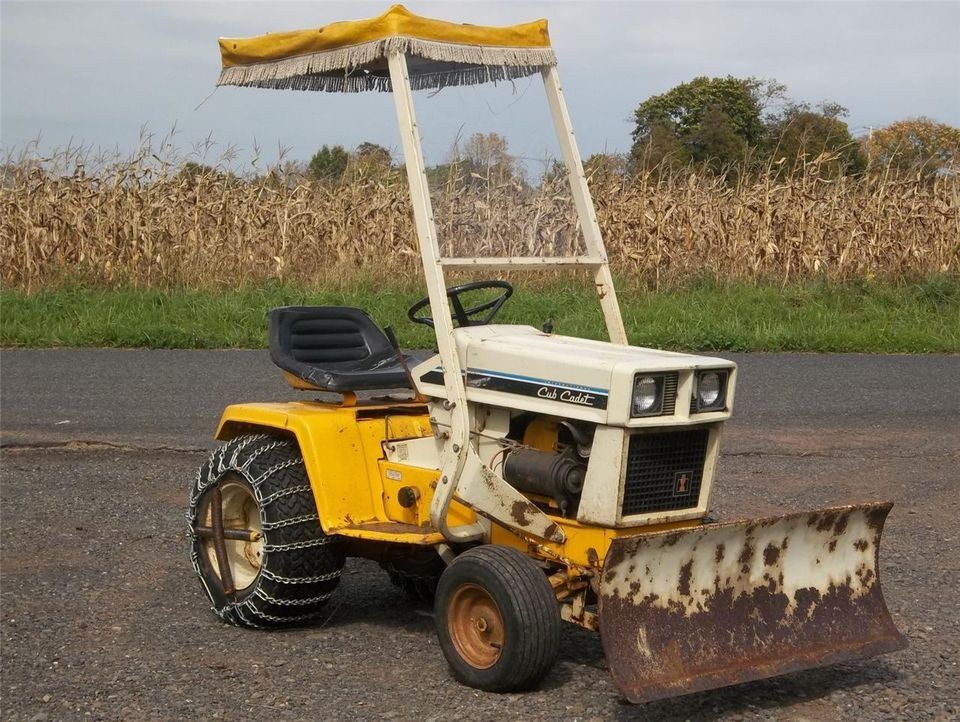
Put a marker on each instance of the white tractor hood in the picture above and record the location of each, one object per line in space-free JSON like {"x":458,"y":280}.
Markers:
{"x":522,"y":367}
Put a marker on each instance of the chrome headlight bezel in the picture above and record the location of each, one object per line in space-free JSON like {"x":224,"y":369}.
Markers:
{"x":656,"y":407}
{"x":720,"y":403}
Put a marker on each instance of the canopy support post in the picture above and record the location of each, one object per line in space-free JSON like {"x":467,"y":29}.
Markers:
{"x":592,"y":238}
{"x":456,"y":447}
{"x":462,"y":472}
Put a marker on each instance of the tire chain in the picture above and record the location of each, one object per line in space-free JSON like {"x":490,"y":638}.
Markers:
{"x":299,"y":580}
{"x":289,"y":522}
{"x":300,"y":566}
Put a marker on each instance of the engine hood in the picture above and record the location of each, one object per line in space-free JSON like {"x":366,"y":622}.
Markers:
{"x":561,"y":375}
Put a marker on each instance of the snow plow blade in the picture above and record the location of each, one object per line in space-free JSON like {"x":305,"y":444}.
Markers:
{"x":692,"y":610}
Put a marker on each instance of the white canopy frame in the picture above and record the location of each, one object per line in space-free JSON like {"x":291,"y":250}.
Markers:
{"x":462,"y":472}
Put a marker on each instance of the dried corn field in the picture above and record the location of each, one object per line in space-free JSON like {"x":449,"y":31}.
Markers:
{"x":151,"y":224}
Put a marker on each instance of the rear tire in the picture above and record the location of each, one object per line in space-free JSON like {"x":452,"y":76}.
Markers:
{"x":497,"y":619}
{"x":286,"y":575}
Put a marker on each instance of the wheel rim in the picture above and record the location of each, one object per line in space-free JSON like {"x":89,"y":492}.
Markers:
{"x":476,"y":626}
{"x":240,"y":513}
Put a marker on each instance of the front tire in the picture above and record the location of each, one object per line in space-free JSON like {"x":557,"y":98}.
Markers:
{"x":280,"y":567}
{"x":497,"y":619}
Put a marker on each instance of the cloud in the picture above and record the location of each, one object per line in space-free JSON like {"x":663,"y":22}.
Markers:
{"x":99,"y":71}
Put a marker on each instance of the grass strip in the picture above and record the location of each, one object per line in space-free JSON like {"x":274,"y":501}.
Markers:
{"x":870,"y":317}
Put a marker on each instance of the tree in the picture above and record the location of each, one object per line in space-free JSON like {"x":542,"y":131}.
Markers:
{"x":374,"y":153}
{"x":482,"y":159}
{"x":603,"y":165}
{"x":706,"y":120}
{"x":598,"y":166}
{"x":555,"y":171}
{"x":328,"y":164}
{"x":485,"y":154}
{"x":191,"y":170}
{"x":195,"y":173}
{"x":661,"y":149}
{"x":716,"y":142}
{"x":369,"y":160}
{"x":916,"y":145}
{"x":799,"y":135}
{"x":443,"y":174}
{"x":16,"y":172}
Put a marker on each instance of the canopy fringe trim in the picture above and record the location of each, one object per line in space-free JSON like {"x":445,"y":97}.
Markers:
{"x":343,"y":69}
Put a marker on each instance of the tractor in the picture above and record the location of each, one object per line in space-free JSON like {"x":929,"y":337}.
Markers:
{"x":523,"y":478}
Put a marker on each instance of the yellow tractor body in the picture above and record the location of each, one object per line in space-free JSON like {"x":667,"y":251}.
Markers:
{"x":684,"y":606}
{"x":360,"y":494}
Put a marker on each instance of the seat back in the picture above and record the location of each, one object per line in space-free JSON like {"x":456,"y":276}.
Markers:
{"x":325,"y":345}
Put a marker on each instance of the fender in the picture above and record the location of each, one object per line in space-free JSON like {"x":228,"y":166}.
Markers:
{"x":338,"y":446}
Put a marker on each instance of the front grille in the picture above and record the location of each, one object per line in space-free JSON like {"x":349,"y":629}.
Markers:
{"x":664,"y":471}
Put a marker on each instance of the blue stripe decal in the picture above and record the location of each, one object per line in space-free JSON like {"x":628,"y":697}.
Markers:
{"x":546,"y":382}
{"x":527,"y":386}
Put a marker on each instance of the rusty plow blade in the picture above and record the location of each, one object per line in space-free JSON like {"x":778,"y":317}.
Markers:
{"x":691,"y":610}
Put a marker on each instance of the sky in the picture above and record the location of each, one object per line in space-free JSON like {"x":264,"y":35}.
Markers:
{"x":97,"y":73}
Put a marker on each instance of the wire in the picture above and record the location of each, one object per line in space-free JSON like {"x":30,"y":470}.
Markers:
{"x":503,"y":461}
{"x":514,"y":102}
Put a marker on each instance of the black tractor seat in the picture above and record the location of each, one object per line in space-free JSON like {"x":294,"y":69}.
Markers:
{"x":334,"y":348}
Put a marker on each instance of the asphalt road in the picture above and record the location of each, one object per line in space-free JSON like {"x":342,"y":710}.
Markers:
{"x":157,"y":399}
{"x":102,"y":618}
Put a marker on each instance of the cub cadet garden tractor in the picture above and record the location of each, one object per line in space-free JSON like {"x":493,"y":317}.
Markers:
{"x":531,"y":477}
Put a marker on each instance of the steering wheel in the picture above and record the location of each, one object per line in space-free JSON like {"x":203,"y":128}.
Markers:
{"x":463,"y":315}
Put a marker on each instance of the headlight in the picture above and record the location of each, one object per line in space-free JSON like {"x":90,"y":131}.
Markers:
{"x":708,"y":390}
{"x":647,"y":395}
{"x":711,"y":391}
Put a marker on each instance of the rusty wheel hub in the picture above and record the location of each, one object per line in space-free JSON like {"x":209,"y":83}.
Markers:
{"x":476,"y":626}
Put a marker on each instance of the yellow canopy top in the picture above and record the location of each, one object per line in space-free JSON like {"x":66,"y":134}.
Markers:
{"x":351,"y":56}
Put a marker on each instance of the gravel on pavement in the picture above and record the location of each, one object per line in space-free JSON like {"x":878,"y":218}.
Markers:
{"x":103,"y":618}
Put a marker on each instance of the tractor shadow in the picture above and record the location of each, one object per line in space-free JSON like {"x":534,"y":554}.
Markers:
{"x":763,"y":696}
{"x":366,"y":597}
{"x":581,"y":654}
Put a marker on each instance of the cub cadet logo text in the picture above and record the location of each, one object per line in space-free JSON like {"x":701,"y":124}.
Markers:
{"x":571,"y":397}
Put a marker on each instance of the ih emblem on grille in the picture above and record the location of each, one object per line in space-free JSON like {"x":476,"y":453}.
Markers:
{"x":681,"y":483}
